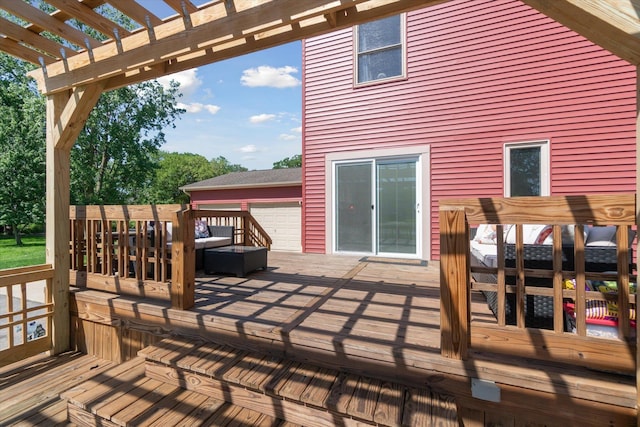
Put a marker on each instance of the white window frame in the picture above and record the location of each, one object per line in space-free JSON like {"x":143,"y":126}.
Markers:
{"x":403,"y":50}
{"x":545,"y":165}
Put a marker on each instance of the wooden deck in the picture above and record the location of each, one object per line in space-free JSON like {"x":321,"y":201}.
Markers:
{"x":374,"y":317}
{"x":369,"y":320}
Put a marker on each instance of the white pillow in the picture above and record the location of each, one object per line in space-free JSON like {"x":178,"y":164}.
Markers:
{"x":486,"y":234}
{"x":605,"y":236}
{"x":531,"y":234}
{"x":601,"y":236}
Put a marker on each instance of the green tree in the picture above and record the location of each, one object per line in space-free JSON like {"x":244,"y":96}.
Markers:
{"x":174,"y":171}
{"x":221,"y":166}
{"x":179,"y":169}
{"x":22,"y":147}
{"x":289,"y":162}
{"x":115,"y":157}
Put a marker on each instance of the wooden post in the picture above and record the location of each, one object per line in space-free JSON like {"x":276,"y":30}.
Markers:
{"x":183,"y":266}
{"x":67,"y":113}
{"x":57,"y":224}
{"x":455,"y":308}
{"x":246,"y":224}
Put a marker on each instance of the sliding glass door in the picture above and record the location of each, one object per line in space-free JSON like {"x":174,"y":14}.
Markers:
{"x":376,"y":206}
{"x":354,"y":207}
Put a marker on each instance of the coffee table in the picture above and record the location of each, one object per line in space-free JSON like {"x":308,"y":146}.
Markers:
{"x":238,"y":260}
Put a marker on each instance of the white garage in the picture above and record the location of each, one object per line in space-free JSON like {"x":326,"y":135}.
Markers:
{"x":282,"y":221}
{"x":273,"y":197}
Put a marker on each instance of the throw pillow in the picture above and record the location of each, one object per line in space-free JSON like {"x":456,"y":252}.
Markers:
{"x":202,"y":231}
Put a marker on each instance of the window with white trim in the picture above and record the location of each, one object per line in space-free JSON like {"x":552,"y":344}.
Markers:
{"x":526,"y":169}
{"x":380,"y":52}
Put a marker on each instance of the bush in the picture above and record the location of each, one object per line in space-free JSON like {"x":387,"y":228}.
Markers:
{"x":34,"y":229}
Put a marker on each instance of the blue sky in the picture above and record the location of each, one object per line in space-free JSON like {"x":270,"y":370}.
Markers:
{"x":246,"y":109}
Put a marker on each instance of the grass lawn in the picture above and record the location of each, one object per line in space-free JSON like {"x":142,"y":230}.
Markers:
{"x":32,"y":251}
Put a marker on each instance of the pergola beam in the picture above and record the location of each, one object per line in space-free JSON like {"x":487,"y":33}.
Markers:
{"x":71,"y":120}
{"x":47,"y":22}
{"x":611,"y":24}
{"x":20,"y":34}
{"x":88,"y":16}
{"x":265,"y":40}
{"x":213,"y":29}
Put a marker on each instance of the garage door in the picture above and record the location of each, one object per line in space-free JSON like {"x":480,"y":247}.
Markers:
{"x":282,"y":221}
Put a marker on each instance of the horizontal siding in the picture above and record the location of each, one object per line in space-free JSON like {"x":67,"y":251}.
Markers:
{"x":479,"y":74}
{"x":239,"y":194}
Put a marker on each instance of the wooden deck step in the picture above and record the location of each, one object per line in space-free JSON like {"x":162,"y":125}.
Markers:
{"x":297,"y":392}
{"x":124,"y":396}
{"x":30,"y":389}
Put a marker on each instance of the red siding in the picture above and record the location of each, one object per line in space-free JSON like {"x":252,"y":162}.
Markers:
{"x":245,"y":196}
{"x":479,"y":74}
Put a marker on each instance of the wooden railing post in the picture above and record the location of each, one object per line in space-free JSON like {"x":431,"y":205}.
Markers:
{"x":183,"y":260}
{"x":455,"y":307}
{"x":246,"y":238}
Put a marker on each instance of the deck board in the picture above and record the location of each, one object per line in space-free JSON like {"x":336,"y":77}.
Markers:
{"x":317,"y":396}
{"x":381,"y":319}
{"x":30,"y":391}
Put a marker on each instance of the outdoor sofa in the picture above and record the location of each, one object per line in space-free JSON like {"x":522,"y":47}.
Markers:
{"x":207,"y":236}
{"x":600,"y":256}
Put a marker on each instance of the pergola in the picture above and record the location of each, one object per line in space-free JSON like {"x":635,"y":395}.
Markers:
{"x":73,"y":74}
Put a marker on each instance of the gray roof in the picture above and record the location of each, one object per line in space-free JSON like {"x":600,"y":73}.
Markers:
{"x":259,"y":178}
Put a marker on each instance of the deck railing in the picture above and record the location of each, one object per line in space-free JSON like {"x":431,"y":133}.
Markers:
{"x":146,"y":250}
{"x":26,"y":311}
{"x":246,"y":229}
{"x":462,"y":334}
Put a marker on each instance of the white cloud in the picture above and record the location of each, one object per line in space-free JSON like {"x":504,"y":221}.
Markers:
{"x":287,"y":137}
{"x":196,"y":107}
{"x":212,"y":109}
{"x":249,"y":148}
{"x":266,"y":76}
{"x":261,"y":118}
{"x":188,"y":79}
{"x":297,"y":130}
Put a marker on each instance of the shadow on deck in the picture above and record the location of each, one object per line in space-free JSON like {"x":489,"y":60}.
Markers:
{"x":371,"y":317}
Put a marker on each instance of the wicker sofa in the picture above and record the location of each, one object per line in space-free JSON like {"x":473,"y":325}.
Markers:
{"x":538,"y":308}
{"x":207,"y":236}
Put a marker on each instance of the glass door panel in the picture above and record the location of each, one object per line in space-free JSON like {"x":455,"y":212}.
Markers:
{"x":354,"y":207}
{"x":397,"y":222}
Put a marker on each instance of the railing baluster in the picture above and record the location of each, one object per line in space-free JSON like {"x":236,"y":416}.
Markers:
{"x":622,"y":239}
{"x":520,"y":283}
{"x":579,"y":266}
{"x":558,"y":318}
{"x":502,"y":289}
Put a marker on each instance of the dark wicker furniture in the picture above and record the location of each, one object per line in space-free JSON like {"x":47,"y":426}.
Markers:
{"x":538,"y":308}
{"x":238,"y":260}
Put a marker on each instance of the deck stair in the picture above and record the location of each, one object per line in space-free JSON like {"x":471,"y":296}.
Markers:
{"x":196,"y":381}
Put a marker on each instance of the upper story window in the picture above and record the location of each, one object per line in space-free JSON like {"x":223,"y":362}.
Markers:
{"x":526,"y":169}
{"x":380,"y":52}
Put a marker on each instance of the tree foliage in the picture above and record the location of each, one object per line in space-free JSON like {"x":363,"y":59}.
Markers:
{"x":221,"y":166}
{"x":114,"y":159}
{"x":22,"y":147}
{"x":174,"y":171}
{"x":289,"y":162}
